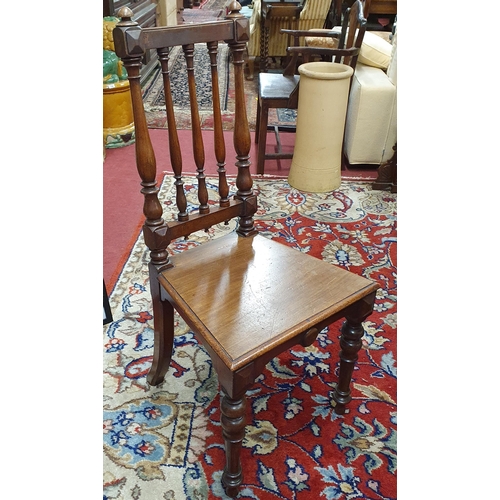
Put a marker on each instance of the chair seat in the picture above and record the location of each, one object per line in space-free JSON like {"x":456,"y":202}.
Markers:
{"x":277,"y":85}
{"x":242,"y":288}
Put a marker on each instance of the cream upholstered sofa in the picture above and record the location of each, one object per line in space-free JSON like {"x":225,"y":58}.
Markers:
{"x":371,"y":123}
{"x":313,"y":15}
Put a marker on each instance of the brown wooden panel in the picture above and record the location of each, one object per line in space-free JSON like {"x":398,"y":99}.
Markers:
{"x":384,"y":7}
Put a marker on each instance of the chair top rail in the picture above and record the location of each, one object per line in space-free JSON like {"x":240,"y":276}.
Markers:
{"x":159,"y":37}
{"x":133,"y":40}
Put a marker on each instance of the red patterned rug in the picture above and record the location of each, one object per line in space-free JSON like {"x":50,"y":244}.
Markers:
{"x":166,"y":442}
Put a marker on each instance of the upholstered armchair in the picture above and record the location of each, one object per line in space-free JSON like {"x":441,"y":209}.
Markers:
{"x":313,"y":15}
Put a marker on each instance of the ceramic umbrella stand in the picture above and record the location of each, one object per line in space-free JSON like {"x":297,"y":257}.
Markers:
{"x":321,"y":114}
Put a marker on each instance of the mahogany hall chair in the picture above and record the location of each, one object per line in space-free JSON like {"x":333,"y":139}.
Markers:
{"x":246,"y":297}
{"x":281,"y":90}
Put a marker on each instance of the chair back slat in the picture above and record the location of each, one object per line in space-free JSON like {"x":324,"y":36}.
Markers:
{"x":198,"y":147}
{"x":145,"y":156}
{"x":131,"y":43}
{"x":219,"y":142}
{"x":173,"y":137}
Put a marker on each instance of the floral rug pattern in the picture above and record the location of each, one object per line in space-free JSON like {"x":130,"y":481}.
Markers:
{"x":165,"y":442}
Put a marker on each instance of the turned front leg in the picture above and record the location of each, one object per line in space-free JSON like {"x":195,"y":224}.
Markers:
{"x":233,"y":430}
{"x":350,"y":344}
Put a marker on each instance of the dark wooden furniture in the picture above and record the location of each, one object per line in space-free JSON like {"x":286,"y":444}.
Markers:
{"x":270,"y":11}
{"x":388,"y":174}
{"x":384,"y":7}
{"x":378,"y":9}
{"x":374,"y":8}
{"x":145,"y":16}
{"x":247,"y":298}
{"x":280,"y":90}
{"x":382,"y":15}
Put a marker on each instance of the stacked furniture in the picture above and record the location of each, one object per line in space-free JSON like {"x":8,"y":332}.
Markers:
{"x":280,"y":90}
{"x":312,"y":15}
{"x":371,"y":123}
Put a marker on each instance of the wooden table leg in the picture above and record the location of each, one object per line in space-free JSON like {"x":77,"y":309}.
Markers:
{"x":350,"y":344}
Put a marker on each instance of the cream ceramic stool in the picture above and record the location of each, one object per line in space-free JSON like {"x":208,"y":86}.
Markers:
{"x":321,"y":113}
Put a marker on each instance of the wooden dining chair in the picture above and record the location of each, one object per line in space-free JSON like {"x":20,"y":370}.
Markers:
{"x":246,"y":297}
{"x":281,"y":90}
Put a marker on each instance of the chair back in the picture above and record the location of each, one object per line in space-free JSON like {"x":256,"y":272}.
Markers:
{"x":131,"y":43}
{"x":312,"y":15}
{"x":349,"y":38}
{"x":352,"y":34}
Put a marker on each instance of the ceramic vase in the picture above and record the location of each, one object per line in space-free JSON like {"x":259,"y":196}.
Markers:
{"x":321,"y":114}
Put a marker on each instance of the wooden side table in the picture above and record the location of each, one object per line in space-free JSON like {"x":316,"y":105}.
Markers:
{"x":271,"y":10}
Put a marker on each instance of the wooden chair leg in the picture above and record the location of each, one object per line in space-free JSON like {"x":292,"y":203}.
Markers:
{"x":163,"y":314}
{"x":350,"y":342}
{"x":233,"y":430}
{"x":262,"y":136}
{"x":257,"y":121}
